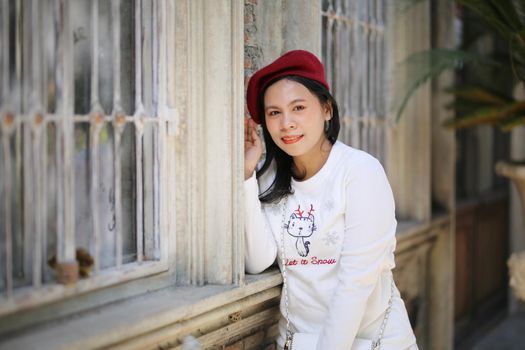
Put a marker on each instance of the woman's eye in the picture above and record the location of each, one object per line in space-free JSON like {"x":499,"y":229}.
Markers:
{"x":273,"y":113}
{"x":299,"y":108}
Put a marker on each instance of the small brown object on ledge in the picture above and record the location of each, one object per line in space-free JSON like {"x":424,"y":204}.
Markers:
{"x":67,"y":272}
{"x":85,"y":262}
{"x":71,"y":271}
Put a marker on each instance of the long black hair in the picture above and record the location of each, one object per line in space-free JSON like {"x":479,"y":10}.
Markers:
{"x":282,"y":183}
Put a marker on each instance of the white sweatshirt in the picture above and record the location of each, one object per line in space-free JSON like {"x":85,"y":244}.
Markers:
{"x":339,"y":242}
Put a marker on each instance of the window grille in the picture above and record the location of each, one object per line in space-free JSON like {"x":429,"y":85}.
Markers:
{"x":81,"y":142}
{"x":353,"y":50}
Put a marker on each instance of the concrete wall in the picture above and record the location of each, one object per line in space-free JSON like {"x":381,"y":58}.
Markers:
{"x":274,"y":27}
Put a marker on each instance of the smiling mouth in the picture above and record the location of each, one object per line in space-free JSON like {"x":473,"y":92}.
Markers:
{"x":291,"y":139}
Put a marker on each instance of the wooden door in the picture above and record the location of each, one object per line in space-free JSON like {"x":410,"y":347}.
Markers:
{"x":481,"y":276}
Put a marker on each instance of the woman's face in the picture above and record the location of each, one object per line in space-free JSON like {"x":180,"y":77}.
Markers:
{"x":295,"y":117}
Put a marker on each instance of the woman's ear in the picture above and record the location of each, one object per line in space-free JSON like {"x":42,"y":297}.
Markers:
{"x":328,"y":110}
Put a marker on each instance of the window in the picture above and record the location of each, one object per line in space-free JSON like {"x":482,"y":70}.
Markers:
{"x":353,"y":50}
{"x":364,"y":45}
{"x":82,"y":96}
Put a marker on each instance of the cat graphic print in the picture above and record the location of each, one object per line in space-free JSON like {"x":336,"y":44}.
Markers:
{"x":301,"y":225}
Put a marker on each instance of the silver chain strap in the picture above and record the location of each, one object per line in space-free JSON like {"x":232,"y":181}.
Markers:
{"x":289,"y":334}
{"x":376,"y":344}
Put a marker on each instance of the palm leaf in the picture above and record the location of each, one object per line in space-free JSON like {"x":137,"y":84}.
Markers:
{"x":486,"y":115}
{"x":461,"y":107}
{"x":517,"y":54}
{"x":508,"y":12}
{"x":479,"y":95}
{"x":510,"y":123}
{"x":423,"y":66}
{"x":519,"y":39}
{"x":490,"y":14}
{"x":519,"y":5}
{"x":474,"y":105}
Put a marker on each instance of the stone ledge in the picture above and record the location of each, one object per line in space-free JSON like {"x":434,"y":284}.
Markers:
{"x":414,"y":233}
{"x":133,"y":317}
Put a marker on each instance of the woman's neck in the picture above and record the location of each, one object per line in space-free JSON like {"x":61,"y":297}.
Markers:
{"x":310,"y":163}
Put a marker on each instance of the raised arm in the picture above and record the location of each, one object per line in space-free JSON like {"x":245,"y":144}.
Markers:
{"x":259,"y":245}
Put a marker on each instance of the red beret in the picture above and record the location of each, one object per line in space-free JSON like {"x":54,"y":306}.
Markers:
{"x":296,"y":62}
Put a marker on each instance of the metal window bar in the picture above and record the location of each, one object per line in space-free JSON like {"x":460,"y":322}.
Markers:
{"x":24,"y":15}
{"x":94,"y":132}
{"x":39,"y":94}
{"x":5,"y":190}
{"x":156,"y":137}
{"x":118,"y":127}
{"x":4,"y":53}
{"x":364,"y":82}
{"x":38,"y":153}
{"x":7,"y":131}
{"x":354,"y":55}
{"x":139,"y":131}
{"x":66,"y":242}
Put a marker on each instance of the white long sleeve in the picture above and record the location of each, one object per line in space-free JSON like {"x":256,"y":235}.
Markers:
{"x":367,"y":251}
{"x":259,"y":244}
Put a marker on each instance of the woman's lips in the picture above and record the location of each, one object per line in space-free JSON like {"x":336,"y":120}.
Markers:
{"x":291,"y":139}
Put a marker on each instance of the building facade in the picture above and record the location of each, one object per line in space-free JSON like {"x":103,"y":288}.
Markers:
{"x":122,"y":164}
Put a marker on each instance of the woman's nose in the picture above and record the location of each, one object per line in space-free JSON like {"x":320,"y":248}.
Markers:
{"x":287,"y":121}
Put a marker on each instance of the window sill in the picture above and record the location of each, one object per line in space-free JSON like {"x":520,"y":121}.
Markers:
{"x":31,"y":297}
{"x":129,"y":318}
{"x":413,"y":233}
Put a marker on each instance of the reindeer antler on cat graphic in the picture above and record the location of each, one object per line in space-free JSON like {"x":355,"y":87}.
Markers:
{"x":301,"y":226}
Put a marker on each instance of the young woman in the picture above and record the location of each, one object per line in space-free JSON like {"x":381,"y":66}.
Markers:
{"x":324,"y":210}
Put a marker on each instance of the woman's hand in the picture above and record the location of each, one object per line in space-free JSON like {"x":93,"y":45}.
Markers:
{"x":252,"y":148}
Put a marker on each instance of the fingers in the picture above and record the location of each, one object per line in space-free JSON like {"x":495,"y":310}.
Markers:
{"x":250,"y":131}
{"x":255,"y":137}
{"x":255,"y":134}
{"x":247,"y":131}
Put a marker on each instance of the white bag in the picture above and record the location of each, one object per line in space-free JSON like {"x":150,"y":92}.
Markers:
{"x":308,"y":341}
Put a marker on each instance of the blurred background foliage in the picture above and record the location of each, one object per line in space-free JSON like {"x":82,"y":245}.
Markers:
{"x":489,"y":61}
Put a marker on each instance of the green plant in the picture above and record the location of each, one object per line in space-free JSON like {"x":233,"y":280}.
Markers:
{"x":480,"y":103}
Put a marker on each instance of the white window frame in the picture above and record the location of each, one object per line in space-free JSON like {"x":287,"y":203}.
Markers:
{"x":201,"y":208}
{"x":31,"y":115}
{"x":354,"y":52}
{"x":367,"y":122}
